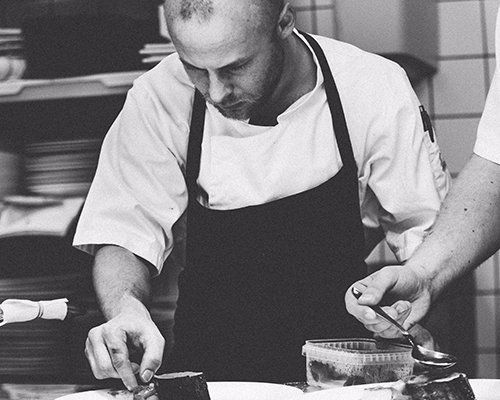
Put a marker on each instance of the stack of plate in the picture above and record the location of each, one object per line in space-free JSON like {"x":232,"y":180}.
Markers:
{"x":10,"y":170}
{"x":61,"y":168}
{"x":153,"y":53}
{"x":12,"y":63}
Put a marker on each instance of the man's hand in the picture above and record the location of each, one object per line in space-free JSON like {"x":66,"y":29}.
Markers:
{"x":409,"y":286}
{"x":109,"y":346}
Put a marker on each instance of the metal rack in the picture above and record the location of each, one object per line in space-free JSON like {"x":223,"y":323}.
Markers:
{"x":107,"y":84}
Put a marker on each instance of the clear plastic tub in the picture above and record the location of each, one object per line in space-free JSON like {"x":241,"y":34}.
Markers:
{"x":345,"y":362}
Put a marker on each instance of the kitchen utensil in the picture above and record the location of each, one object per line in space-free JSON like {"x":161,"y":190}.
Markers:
{"x":423,"y":356}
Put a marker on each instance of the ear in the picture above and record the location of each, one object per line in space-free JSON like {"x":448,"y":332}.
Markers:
{"x":286,"y":21}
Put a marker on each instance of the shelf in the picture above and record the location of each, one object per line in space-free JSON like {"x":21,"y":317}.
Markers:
{"x":82,"y":86}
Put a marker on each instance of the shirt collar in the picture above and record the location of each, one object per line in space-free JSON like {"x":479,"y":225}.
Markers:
{"x":306,"y":97}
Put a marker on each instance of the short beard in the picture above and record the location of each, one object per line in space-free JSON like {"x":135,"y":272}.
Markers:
{"x":269,"y":87}
{"x":272,"y":81}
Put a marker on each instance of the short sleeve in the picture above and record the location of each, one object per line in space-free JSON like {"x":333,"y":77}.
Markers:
{"x":139,"y":191}
{"x":407,"y":175}
{"x":488,"y":133}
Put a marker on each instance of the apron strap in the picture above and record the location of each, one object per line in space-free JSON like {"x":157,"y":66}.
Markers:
{"x":194,"y":146}
{"x":335,"y":104}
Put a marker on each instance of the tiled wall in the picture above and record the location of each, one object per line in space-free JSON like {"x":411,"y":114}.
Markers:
{"x":316,"y":16}
{"x":455,"y":98}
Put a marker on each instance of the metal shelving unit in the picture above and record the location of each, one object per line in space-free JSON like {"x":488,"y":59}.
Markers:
{"x":107,"y":84}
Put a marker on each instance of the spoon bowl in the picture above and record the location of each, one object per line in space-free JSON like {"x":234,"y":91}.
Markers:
{"x":421,"y":355}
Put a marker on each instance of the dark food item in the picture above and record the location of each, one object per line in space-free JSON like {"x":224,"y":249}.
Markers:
{"x":352,"y":375}
{"x":142,"y":392}
{"x":439,"y":386}
{"x":432,"y":385}
{"x":182,"y":386}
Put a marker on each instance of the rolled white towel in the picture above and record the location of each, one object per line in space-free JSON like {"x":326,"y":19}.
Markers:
{"x":16,"y":310}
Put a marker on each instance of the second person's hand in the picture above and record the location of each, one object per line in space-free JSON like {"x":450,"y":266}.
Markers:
{"x":405,"y":288}
{"x":109,"y":345}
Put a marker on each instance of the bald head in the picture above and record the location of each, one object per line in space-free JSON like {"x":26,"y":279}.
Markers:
{"x":263,"y":12}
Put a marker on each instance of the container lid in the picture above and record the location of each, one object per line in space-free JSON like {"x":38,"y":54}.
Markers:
{"x":356,"y":351}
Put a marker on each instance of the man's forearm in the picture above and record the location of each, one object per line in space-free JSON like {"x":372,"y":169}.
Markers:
{"x":467,"y":230}
{"x":121,"y":280}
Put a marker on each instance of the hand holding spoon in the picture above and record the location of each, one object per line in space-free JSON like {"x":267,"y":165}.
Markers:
{"x":423,"y":356}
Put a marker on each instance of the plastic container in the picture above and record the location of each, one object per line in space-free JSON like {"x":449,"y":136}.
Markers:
{"x":345,"y":362}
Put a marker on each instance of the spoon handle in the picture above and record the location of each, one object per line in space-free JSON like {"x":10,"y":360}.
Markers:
{"x":357,"y":293}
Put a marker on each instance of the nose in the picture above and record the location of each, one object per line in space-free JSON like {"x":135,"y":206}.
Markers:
{"x":218,"y":88}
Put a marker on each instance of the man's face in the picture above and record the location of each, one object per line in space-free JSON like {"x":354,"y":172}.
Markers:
{"x":234,"y":64}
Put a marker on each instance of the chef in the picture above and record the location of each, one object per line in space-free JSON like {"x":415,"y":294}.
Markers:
{"x":288,"y":153}
{"x":466,"y":233}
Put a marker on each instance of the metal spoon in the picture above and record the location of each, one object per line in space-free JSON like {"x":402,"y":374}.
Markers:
{"x":423,"y":356}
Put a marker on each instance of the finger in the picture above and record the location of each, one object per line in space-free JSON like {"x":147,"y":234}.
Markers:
{"x":374,"y":286}
{"x":399,"y":311}
{"x":384,"y":330}
{"x":98,"y":356}
{"x":363,"y":313}
{"x":116,"y":344}
{"x":153,"y":353}
{"x":403,"y":309}
{"x":381,"y":322}
{"x":90,"y":357}
{"x":135,"y":367}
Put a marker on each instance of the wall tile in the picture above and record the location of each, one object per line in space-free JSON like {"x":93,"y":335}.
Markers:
{"x":495,"y":259}
{"x":491,"y":10}
{"x":485,"y":275}
{"x":304,"y":21}
{"x":486,"y":366}
{"x":486,"y":321}
{"x":325,"y":21}
{"x":459,"y":87}
{"x":301,"y":3}
{"x":460,"y":28}
{"x":324,"y":3}
{"x":456,"y":138}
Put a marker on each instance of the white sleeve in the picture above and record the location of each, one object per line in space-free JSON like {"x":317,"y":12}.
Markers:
{"x":407,"y":176}
{"x":138,"y":192}
{"x":488,"y":133}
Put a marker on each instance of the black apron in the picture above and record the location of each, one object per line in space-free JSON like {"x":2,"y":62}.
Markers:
{"x":260,"y":280}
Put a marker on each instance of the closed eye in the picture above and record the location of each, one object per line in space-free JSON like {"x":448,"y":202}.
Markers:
{"x":234,"y":68}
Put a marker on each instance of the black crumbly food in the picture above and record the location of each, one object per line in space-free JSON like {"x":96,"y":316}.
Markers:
{"x":181,"y":386}
{"x":439,"y":385}
{"x":142,"y":392}
{"x":352,"y":375}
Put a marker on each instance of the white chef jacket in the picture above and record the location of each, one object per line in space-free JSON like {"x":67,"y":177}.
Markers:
{"x":139,"y":191}
{"x":488,"y":133}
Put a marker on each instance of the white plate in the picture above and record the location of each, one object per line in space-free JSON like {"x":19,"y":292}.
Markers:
{"x":217,"y":390}
{"x":252,"y":391}
{"x":484,"y":389}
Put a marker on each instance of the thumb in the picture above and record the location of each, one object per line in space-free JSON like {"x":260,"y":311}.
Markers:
{"x":375,"y":286}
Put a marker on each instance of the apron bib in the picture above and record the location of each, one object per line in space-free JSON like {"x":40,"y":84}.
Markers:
{"x":261,"y":280}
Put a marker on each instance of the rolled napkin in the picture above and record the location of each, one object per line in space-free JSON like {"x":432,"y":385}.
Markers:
{"x":15,"y":310}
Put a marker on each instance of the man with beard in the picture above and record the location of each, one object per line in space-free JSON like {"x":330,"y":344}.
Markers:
{"x":289,"y":154}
